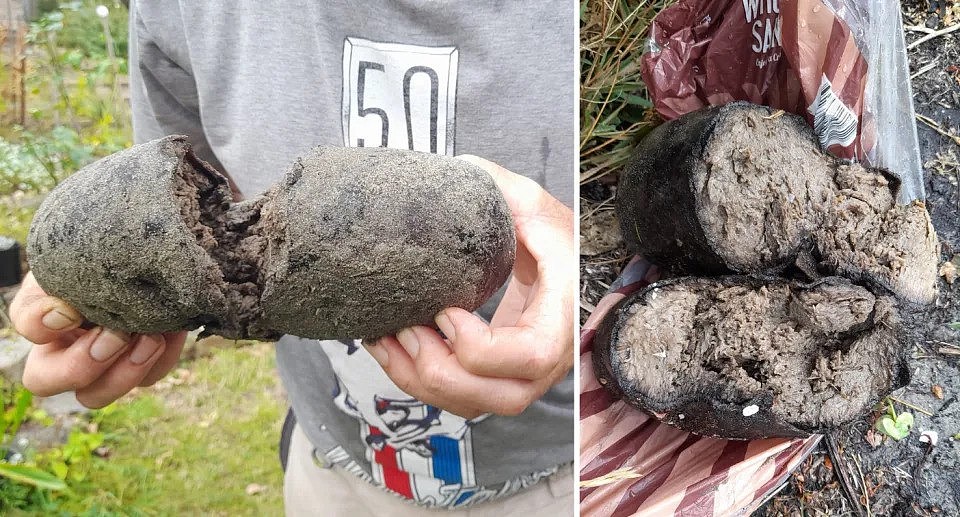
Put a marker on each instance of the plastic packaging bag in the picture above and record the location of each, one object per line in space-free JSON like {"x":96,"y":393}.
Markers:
{"x":840,"y":63}
{"x":634,"y":465}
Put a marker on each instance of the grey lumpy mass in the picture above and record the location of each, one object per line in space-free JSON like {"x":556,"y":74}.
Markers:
{"x":352,"y":243}
{"x":809,"y":338}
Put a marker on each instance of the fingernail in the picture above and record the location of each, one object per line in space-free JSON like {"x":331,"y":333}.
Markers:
{"x":57,"y":320}
{"x":408,"y":340}
{"x":378,"y":352}
{"x":144,"y":350}
{"x":108,"y":343}
{"x":445,"y":325}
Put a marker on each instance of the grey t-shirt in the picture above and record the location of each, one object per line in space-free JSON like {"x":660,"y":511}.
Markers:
{"x":254,"y":84}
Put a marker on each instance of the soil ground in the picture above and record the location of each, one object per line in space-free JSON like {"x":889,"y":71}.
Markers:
{"x":847,"y":475}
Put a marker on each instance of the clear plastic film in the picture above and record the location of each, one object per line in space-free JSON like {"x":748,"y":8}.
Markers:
{"x":840,"y":63}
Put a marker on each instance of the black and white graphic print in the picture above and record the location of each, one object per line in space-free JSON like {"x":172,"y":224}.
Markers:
{"x":399,"y":96}
{"x":833,"y":121}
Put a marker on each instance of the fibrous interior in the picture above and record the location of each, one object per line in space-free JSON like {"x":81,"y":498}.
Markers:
{"x":232,"y":235}
{"x":764,"y":195}
{"x":824,"y":354}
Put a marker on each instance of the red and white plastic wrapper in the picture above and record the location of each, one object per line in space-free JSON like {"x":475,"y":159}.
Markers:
{"x":842,"y":64}
{"x":672,"y":472}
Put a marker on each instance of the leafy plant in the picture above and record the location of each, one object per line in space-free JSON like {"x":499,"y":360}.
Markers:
{"x":893,"y":425}
{"x":615,"y":109}
{"x":75,"y":103}
{"x":83,"y":31}
{"x":16,"y":405}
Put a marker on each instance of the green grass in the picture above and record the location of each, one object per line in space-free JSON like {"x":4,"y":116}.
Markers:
{"x":192,"y":444}
{"x":615,"y":108}
{"x":15,"y":219}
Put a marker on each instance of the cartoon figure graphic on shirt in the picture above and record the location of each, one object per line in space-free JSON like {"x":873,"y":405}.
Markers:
{"x":414,"y":449}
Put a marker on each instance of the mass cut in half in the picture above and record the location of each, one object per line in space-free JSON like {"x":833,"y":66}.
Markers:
{"x":744,"y":358}
{"x":743,"y":189}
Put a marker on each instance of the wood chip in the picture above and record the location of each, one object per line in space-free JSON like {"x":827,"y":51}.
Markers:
{"x":255,"y":488}
{"x":948,"y":271}
{"x":937,"y":391}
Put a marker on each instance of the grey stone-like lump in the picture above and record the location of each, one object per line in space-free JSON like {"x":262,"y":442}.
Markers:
{"x":744,"y":358}
{"x":352,"y":243}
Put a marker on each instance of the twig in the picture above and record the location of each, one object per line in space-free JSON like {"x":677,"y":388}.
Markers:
{"x":842,"y":468}
{"x":923,"y":70}
{"x":920,"y":28}
{"x":932,"y":35}
{"x":775,"y":115}
{"x":909,"y":405}
{"x":863,"y":480}
{"x":938,"y":128}
{"x":597,"y":208}
{"x":587,"y":306}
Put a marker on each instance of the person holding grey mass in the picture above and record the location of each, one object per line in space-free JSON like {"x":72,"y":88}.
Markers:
{"x":474,"y":416}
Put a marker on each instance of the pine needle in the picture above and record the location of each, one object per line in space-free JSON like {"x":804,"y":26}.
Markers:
{"x":612,"y":477}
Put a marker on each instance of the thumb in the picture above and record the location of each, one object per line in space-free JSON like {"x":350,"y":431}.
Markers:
{"x":39,"y":317}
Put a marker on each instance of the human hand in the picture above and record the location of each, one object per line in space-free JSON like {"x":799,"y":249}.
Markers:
{"x":100,"y":365}
{"x":505,"y":366}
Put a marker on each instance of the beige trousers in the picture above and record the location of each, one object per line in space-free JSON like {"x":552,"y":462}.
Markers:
{"x":310,"y":490}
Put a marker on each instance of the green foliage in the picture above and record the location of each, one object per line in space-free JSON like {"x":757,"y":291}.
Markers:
{"x":190,"y":448}
{"x":76,"y":106}
{"x":15,"y":218}
{"x":31,"y":476}
{"x":615,"y":109}
{"x":20,"y":171}
{"x":13,"y":416}
{"x":23,"y":482}
{"x":77,"y":91}
{"x":896,"y":426}
{"x":83,"y":30}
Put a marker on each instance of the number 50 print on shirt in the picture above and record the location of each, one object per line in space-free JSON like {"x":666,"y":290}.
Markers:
{"x":399,"y":96}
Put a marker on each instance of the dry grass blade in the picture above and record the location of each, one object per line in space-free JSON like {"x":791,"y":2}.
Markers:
{"x":934,"y":125}
{"x":909,"y":405}
{"x":615,"y":109}
{"x":612,"y":477}
{"x":932,"y":35}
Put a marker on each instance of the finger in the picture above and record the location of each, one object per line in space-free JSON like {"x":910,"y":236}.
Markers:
{"x":440,"y":375}
{"x":403,"y":372}
{"x":125,"y":374}
{"x":522,"y":352}
{"x":41,"y":318}
{"x":171,"y":355}
{"x":64,"y":366}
